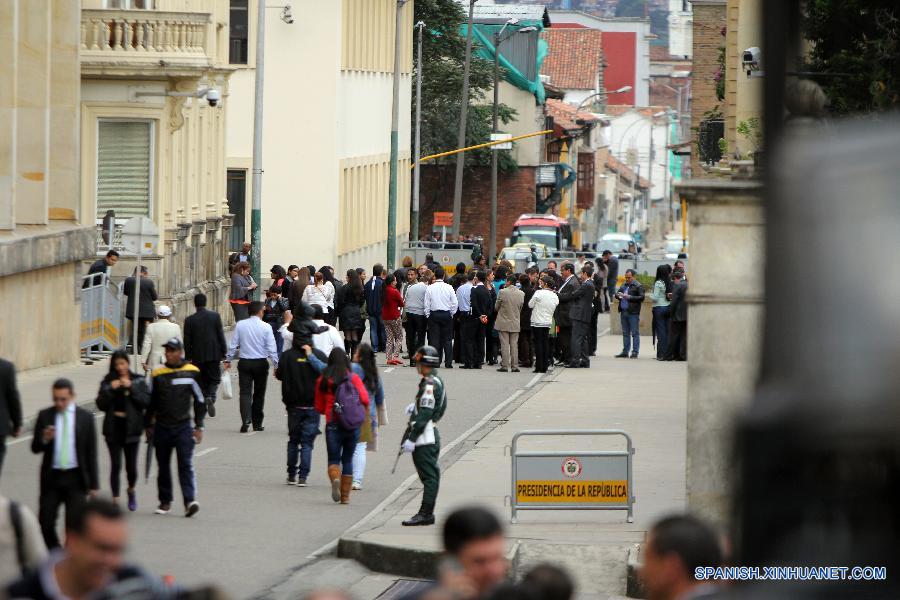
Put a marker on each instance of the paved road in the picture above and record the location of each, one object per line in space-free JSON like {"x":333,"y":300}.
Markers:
{"x":253,"y":530}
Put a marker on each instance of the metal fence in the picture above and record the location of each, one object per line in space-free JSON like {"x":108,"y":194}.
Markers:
{"x":101,"y":314}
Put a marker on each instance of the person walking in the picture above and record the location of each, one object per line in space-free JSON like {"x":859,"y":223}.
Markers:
{"x":123,"y":397}
{"x":257,"y":343}
{"x":349,"y":307}
{"x":662,"y":287}
{"x":146,"y":311}
{"x":205,"y":347}
{"x":298,"y":392}
{"x":543,"y":305}
{"x":66,"y":436}
{"x":581,"y":312}
{"x":157,"y":334}
{"x":320,"y":293}
{"x":677,"y":347}
{"x":440,"y":306}
{"x":339,"y":385}
{"x":373,"y":296}
{"x":563,"y":318}
{"x":242,"y":286}
{"x":509,"y":310}
{"x":391,"y":303}
{"x":422,"y":438}
{"x":175,"y":396}
{"x":10,"y":406}
{"x":630,"y":296}
{"x":416,"y":323}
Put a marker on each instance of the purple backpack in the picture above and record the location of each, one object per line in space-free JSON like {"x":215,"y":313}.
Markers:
{"x":349,"y":411}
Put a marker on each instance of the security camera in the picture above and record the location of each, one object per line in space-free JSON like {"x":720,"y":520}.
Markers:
{"x":287,"y":14}
{"x":213,"y":96}
{"x":752,"y":60}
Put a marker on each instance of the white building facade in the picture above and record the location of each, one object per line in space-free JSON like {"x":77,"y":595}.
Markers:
{"x":681,"y":28}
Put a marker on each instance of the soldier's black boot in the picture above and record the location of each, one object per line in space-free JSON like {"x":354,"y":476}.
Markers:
{"x":419,"y":519}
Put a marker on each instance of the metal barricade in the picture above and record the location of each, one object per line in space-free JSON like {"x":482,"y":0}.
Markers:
{"x":101,"y":314}
{"x":559,"y":480}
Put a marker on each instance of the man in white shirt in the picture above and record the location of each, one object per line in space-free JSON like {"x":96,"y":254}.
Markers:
{"x":256,"y":341}
{"x":328,"y":340}
{"x":440,"y":306}
{"x":416,"y":322}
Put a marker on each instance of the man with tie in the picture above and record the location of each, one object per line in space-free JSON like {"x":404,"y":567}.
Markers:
{"x":66,"y":436}
{"x":563,"y":312}
{"x":256,"y":342}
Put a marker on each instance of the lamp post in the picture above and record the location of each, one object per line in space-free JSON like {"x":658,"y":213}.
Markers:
{"x":395,"y":142}
{"x":418,"y":150}
{"x":498,"y":39}
{"x":621,"y":90}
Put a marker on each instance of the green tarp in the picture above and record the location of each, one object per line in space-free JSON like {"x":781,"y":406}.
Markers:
{"x":484,"y":48}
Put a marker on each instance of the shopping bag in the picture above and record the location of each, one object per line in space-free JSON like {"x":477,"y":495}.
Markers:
{"x":227,"y":389}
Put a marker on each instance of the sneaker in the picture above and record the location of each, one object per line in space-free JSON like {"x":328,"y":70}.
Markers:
{"x":301,"y":482}
{"x":163,"y":509}
{"x":259,"y":428}
{"x":634,"y":355}
{"x":211,"y":408}
{"x":191,"y":509}
{"x":291,"y":480}
{"x":132,"y":501}
{"x":357,"y":485}
{"x":622,"y":355}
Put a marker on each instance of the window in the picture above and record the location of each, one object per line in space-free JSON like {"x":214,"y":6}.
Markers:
{"x":238,"y":32}
{"x":131,"y":4}
{"x":236,"y":192}
{"x":124,"y":167}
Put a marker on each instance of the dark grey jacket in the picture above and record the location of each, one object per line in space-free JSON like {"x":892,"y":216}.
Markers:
{"x":582,"y":304}
{"x":146,"y":309}
{"x":678,"y":306}
{"x":10,"y":406}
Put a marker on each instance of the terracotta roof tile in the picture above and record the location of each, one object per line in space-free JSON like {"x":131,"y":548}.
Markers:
{"x":574,"y":59}
{"x":625,"y":171}
{"x":565,"y":115}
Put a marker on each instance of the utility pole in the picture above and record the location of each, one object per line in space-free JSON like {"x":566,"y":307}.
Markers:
{"x":494,"y":156}
{"x":463,"y":116}
{"x":417,"y":171}
{"x":395,"y":141}
{"x":256,"y":213}
{"x":650,"y":179}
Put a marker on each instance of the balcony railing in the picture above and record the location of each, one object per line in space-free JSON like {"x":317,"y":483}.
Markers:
{"x":122,"y":36}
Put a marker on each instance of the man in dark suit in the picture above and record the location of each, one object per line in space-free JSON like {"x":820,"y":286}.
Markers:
{"x":66,"y":436}
{"x":146,"y":309}
{"x":581,"y":313}
{"x":205,"y":347}
{"x":612,"y":274}
{"x":678,"y":320}
{"x":482,"y":307}
{"x":563,"y":319}
{"x":100,"y":267}
{"x":373,"y":307}
{"x":10,"y":407}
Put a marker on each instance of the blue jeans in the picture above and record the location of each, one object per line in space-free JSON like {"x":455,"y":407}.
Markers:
{"x":661,"y":319}
{"x":341,"y":445}
{"x":631,"y":333}
{"x":181,"y":440}
{"x":303,"y":427}
{"x":279,"y":341}
{"x":377,"y":333}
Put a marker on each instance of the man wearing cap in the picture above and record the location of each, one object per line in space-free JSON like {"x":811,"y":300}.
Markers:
{"x":257,"y":343}
{"x":158,"y":333}
{"x":175,"y":398}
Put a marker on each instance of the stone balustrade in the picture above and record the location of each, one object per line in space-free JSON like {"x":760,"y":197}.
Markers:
{"x":117,"y":35}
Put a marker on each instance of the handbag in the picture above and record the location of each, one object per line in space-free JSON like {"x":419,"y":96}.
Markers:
{"x":227,"y":388}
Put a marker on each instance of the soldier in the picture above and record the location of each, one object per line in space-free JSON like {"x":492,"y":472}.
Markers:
{"x":422,"y":438}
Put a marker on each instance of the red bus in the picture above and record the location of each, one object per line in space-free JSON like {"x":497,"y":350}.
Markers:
{"x":550,"y":230}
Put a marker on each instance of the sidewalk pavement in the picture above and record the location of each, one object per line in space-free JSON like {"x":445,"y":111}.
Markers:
{"x":644,"y":397}
{"x":34,"y":386}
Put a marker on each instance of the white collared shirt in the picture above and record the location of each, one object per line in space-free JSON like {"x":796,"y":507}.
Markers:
{"x":69,"y":416}
{"x":440,"y":296}
{"x":327,"y":341}
{"x":255,"y":339}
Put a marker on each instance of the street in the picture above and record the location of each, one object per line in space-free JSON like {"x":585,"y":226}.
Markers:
{"x":253,"y":530}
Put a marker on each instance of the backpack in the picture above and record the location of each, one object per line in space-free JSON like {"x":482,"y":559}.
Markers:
{"x":348,"y":410}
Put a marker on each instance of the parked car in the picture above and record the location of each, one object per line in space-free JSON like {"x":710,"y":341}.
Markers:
{"x":617,"y":242}
{"x":676,"y":248}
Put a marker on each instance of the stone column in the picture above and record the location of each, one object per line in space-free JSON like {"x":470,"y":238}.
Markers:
{"x":725,"y":296}
{"x":197,"y":251}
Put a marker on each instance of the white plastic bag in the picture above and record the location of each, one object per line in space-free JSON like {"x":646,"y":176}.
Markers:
{"x":227,"y":389}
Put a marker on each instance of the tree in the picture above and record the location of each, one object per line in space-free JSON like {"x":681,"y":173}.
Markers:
{"x":443,"y":55}
{"x":859,"y":42}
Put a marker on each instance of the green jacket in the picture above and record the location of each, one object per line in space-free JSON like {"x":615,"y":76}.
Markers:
{"x":431,"y":403}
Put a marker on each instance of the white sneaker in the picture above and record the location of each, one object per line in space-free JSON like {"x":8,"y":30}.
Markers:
{"x":163,"y":509}
{"x":357,"y":485}
{"x":191,"y":509}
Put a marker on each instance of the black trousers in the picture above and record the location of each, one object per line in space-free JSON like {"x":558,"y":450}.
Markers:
{"x":253,"y":374}
{"x":60,"y":487}
{"x":677,"y":340}
{"x":457,"y":337}
{"x":2,"y":451}
{"x":471,"y":332}
{"x":415,"y":333}
{"x":440,"y":335}
{"x":525,"y":348}
{"x":542,"y":355}
{"x":564,"y":339}
{"x":117,"y":447}
{"x":142,"y":327}
{"x":592,"y":334}
{"x":580,"y":350}
{"x":492,"y":344}
{"x":210,"y":378}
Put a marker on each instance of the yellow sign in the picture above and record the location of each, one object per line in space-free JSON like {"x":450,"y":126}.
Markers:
{"x":572,"y":492}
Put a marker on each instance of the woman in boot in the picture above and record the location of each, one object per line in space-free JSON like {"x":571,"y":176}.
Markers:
{"x":340,"y":441}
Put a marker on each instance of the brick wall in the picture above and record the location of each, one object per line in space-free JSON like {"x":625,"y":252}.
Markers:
{"x":515,"y":195}
{"x":709,"y":20}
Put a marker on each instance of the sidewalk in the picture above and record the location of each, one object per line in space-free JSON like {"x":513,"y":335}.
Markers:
{"x":644,"y":397}
{"x":34,"y":386}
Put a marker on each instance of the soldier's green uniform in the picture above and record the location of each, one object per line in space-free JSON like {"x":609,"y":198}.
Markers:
{"x":430,"y":405}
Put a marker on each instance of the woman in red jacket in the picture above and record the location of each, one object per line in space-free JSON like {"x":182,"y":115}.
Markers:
{"x":340,"y":442}
{"x":391,"y":303}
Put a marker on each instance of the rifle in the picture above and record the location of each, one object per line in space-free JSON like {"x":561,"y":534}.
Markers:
{"x":400,"y":452}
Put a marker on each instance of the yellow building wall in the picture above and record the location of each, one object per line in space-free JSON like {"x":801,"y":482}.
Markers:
{"x":743,"y":95}
{"x":364,"y":186}
{"x":367,"y":36}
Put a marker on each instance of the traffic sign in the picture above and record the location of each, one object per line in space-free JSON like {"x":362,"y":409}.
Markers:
{"x":443,"y":219}
{"x":496,"y":137}
{"x":140,"y":235}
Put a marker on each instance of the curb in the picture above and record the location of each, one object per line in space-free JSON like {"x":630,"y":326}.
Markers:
{"x":633,"y":586}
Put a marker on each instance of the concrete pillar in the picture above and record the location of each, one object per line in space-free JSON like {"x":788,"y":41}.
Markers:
{"x":9,"y":42}
{"x":65,"y":91}
{"x":724,"y":295}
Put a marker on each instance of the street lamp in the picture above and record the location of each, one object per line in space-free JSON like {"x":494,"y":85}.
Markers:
{"x":499,"y":38}
{"x":418,"y":149}
{"x":621,"y":90}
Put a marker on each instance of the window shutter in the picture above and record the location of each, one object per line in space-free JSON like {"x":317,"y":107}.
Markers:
{"x":123,"y":168}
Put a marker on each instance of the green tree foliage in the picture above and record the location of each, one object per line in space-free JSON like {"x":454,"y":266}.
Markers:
{"x":860,"y":38}
{"x":443,"y":55}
